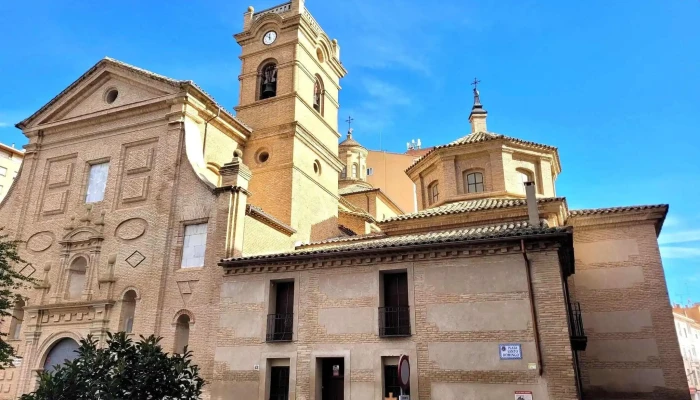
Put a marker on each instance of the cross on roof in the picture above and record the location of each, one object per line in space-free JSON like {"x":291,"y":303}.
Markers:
{"x":476,"y":83}
{"x":349,"y":121}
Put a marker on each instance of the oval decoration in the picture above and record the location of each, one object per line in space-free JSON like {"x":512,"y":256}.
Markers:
{"x":131,"y":229}
{"x":40,"y":241}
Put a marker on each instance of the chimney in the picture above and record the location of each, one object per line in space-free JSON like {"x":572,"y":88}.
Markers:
{"x":532,"y":213}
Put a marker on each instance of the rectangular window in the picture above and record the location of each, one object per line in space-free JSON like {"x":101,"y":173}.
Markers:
{"x":392,"y":385}
{"x":97,"y":182}
{"x":370,"y":171}
{"x":394,"y":316}
{"x":194,"y":246}
{"x":3,"y":171}
{"x":279,"y":383}
{"x":280,"y":322}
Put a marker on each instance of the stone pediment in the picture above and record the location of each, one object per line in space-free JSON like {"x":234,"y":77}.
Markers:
{"x":90,"y":94}
{"x":82,"y":235}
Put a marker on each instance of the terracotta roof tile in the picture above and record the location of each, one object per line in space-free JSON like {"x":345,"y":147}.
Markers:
{"x":479,"y":137}
{"x":501,"y":231}
{"x":470,"y":205}
{"x":356,"y":188}
{"x":616,"y":210}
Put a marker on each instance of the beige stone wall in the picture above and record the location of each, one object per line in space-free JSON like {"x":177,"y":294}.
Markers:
{"x":388,"y":174}
{"x":632,"y":350}
{"x":454,"y":345}
{"x":11,"y":160}
{"x":259,"y":238}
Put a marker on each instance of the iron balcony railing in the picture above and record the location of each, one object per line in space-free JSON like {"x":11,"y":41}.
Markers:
{"x":279,"y":327}
{"x":578,"y":335}
{"x":394,"y":321}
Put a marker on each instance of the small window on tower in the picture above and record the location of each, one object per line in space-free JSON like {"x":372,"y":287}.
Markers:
{"x":433,"y":192}
{"x":474,"y":182}
{"x":370,"y":171}
{"x":354,"y":171}
{"x":268,"y":81}
{"x":318,"y":95}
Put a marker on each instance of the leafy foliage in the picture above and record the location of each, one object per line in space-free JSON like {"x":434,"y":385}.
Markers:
{"x":10,"y":282}
{"x":122,"y":369}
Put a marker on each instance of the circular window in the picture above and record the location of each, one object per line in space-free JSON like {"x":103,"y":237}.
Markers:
{"x":317,"y":167}
{"x":111,"y":96}
{"x":263,"y":156}
{"x":319,"y":54}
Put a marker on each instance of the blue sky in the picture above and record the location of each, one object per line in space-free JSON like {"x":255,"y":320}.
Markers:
{"x":614,"y":84}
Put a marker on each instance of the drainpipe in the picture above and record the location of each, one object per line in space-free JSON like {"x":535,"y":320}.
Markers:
{"x":206,"y":125}
{"x":533,"y":311}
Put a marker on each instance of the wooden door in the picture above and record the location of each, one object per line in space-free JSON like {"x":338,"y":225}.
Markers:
{"x":333,"y":379}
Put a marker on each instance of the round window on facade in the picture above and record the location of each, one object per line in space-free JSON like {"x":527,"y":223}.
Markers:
{"x":319,"y":54}
{"x":111,"y":95}
{"x":262,"y":156}
{"x":317,"y":167}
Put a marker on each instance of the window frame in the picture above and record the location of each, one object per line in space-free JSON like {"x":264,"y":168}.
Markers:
{"x":91,"y":165}
{"x":320,"y":93}
{"x":433,"y":192}
{"x":181,"y":249}
{"x":468,"y":185}
{"x":261,"y":78}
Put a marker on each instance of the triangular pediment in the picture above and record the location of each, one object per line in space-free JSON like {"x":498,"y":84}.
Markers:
{"x":89,"y":94}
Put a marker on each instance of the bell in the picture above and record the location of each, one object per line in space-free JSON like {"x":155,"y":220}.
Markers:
{"x":269,"y":90}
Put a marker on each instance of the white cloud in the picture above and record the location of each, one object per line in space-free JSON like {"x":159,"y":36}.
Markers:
{"x":385,"y":93}
{"x":680,"y":237}
{"x":679,"y":252}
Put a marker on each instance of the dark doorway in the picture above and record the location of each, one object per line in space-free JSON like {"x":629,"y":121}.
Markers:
{"x":64,"y":350}
{"x":279,"y":383}
{"x":394,"y":316}
{"x":332,"y":378}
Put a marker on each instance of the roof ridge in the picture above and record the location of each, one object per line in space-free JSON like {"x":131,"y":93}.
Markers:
{"x":607,"y":210}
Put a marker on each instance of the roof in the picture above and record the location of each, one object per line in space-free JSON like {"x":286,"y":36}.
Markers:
{"x":262,"y":216}
{"x":152,"y":75}
{"x":480,"y":137}
{"x":616,"y":210}
{"x":513,"y":230}
{"x":356,"y":188}
{"x":470,"y":205}
{"x":12,"y":149}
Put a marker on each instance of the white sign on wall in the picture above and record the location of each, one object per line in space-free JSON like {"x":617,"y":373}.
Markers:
{"x":522,"y":395}
{"x":510,"y":351}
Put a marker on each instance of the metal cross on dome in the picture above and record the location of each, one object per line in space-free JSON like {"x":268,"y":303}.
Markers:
{"x":476,"y":83}
{"x":349,"y":121}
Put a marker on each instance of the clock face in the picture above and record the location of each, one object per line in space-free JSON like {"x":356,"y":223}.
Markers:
{"x":270,"y":37}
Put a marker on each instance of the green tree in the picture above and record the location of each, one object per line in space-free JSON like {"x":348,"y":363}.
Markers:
{"x":122,"y":369}
{"x":10,"y":282}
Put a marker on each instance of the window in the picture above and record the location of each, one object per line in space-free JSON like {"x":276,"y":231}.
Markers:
{"x":354,"y":171}
{"x":280,"y":321}
{"x":76,"y":278}
{"x":394,"y":317}
{"x":392,"y":385}
{"x":370,"y":171}
{"x":344,"y":172}
{"x":318,"y":95}
{"x":268,"y":81}
{"x":128,"y":311}
{"x":17,"y":318}
{"x":182,"y":333}
{"x":194,"y":246}
{"x":97,"y":182}
{"x":3,"y":171}
{"x":525,"y":176}
{"x":474,"y":182}
{"x":279,"y":382}
{"x":317,"y":167}
{"x":433,"y":192}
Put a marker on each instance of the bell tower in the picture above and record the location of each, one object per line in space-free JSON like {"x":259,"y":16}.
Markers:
{"x":289,"y":86}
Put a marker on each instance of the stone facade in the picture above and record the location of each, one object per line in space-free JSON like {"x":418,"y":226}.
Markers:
{"x":10,"y":161}
{"x":300,"y":278}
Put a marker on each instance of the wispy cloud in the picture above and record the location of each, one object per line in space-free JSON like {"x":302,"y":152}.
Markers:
{"x":4,"y":124}
{"x":680,"y":252}
{"x":385,"y":93}
{"x":680,"y":237}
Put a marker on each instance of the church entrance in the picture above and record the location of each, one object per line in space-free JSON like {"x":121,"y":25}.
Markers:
{"x":332,"y":378}
{"x":62,"y":351}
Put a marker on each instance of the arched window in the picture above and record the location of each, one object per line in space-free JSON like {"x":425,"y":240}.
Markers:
{"x":318,"y":95}
{"x":126,"y":323}
{"x":76,"y":278}
{"x":268,"y":81}
{"x":474,"y":182}
{"x":64,"y":350}
{"x":182,"y":333}
{"x":344,"y":172}
{"x":17,"y":318}
{"x":354,"y":171}
{"x":524,"y":176}
{"x":433,"y":192}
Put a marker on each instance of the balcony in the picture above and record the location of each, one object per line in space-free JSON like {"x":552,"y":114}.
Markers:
{"x":394,"y":322}
{"x":279,"y":327}
{"x":578,"y":336}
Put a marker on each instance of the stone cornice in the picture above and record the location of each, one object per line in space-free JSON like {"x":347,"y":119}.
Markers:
{"x":70,"y":305}
{"x":268,"y":220}
{"x":429,"y":252}
{"x":656,"y":216}
{"x":232,"y":189}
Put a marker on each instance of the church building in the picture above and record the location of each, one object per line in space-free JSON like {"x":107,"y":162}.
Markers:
{"x":255,"y":239}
